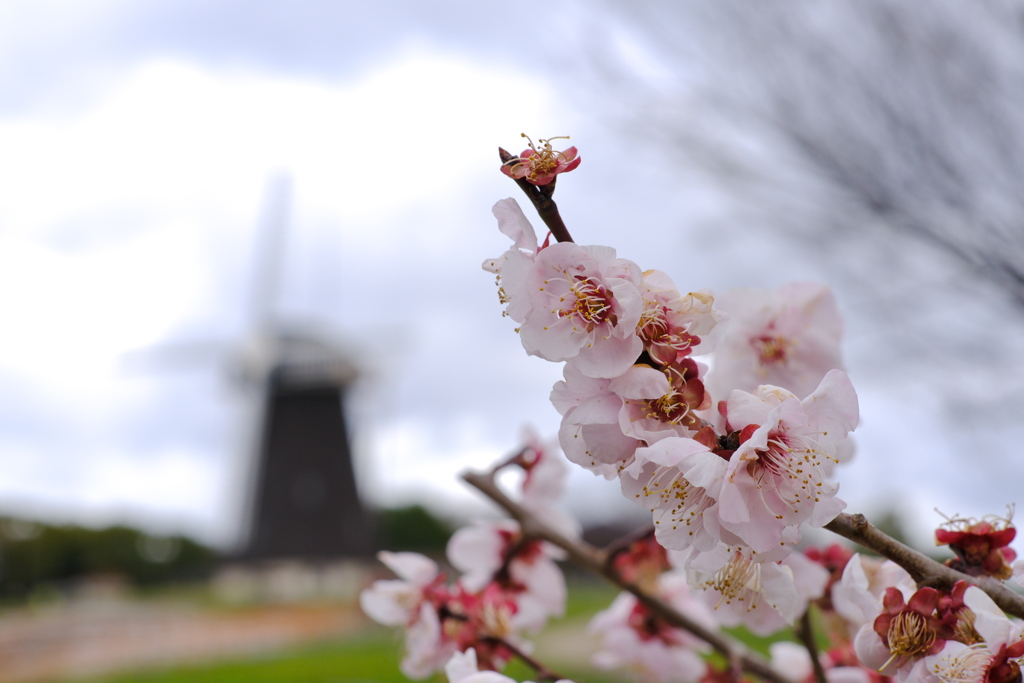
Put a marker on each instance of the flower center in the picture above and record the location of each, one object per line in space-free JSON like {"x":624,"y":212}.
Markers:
{"x":908,"y":636}
{"x":593,"y":303}
{"x":969,"y":665}
{"x":736,"y":578}
{"x":771,"y":350}
{"x":545,"y":159}
{"x":664,"y":340}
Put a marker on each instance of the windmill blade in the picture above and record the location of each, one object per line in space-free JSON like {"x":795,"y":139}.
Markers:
{"x":268,"y":259}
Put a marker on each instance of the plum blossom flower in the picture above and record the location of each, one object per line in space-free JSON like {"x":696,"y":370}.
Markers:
{"x":788,"y":337}
{"x":763,"y":596}
{"x":524,"y":569}
{"x":859,"y":594}
{"x":635,"y":639}
{"x":540,"y":166}
{"x":397,"y":602}
{"x":794,"y":661}
{"x":660,"y":403}
{"x":463,"y":668}
{"x":584,"y":306}
{"x":678,"y":480}
{"x":590,"y":435}
{"x":994,"y":659}
{"x":674,"y":326}
{"x":899,"y":638}
{"x":511,"y":268}
{"x":981,"y":547}
{"x":412,"y":602}
{"x":776,"y":478}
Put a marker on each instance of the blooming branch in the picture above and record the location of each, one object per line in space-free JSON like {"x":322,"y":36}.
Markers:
{"x":924,"y":570}
{"x":540,"y":195}
{"x":595,"y":561}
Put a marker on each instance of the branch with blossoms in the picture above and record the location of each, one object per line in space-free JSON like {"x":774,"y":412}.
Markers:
{"x":597,"y":562}
{"x":733,"y":454}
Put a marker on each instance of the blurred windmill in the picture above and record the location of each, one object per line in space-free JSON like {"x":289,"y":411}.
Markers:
{"x":301,"y":499}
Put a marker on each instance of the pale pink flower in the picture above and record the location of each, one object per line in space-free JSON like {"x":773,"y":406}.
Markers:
{"x":412,"y":602}
{"x":512,"y":267}
{"x":985,"y":662}
{"x":678,"y":480}
{"x":397,"y":602}
{"x":426,"y":647}
{"x":585,"y":306}
{"x":858,"y":595}
{"x":540,"y":166}
{"x":674,"y":326}
{"x":788,"y":337}
{"x":634,"y":639}
{"x":524,"y":569}
{"x":545,"y":469}
{"x":660,"y":403}
{"x":777,"y":477}
{"x":763,"y":596}
{"x":590,"y":434}
{"x":463,"y":668}
{"x":793,"y":660}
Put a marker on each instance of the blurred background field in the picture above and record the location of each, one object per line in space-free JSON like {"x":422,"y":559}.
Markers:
{"x":192,"y":635}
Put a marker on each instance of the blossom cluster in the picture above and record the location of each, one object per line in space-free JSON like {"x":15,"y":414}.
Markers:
{"x":509,"y":584}
{"x":724,"y":416}
{"x":734,"y":470}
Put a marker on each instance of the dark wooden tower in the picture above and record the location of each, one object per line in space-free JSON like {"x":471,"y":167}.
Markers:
{"x":303,"y":502}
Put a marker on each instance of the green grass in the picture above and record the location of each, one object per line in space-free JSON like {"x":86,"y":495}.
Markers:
{"x":372,"y":656}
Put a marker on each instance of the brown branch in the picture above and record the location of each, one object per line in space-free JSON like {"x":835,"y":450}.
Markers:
{"x":805,"y":632}
{"x":543,"y":672}
{"x":542,"y":201}
{"x":924,"y":570}
{"x":595,"y":561}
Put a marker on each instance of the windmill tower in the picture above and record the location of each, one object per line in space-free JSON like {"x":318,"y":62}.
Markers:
{"x":302,"y":501}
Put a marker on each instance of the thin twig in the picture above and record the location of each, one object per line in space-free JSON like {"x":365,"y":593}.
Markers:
{"x":805,"y":632}
{"x":542,"y":201}
{"x":595,"y":561}
{"x":543,"y":672}
{"x":924,"y":570}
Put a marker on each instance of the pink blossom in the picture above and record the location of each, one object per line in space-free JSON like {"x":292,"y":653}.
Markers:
{"x":397,"y":602}
{"x":540,"y":166}
{"x":776,"y":478}
{"x":634,"y":639}
{"x":994,"y":659}
{"x":660,"y":403}
{"x":788,"y":337}
{"x":584,"y":307}
{"x":763,"y":596}
{"x":590,"y":435}
{"x":426,"y":647}
{"x":981,"y":547}
{"x":512,"y":267}
{"x":674,"y":326}
{"x":412,"y":602}
{"x":906,"y":631}
{"x":678,"y":480}
{"x":463,"y":668}
{"x":794,"y":661}
{"x":858,"y":595}
{"x":524,"y":569}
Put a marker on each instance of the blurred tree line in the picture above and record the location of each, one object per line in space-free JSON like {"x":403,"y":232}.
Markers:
{"x":35,"y":556}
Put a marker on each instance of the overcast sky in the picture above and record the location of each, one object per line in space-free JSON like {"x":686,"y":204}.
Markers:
{"x":137,"y":142}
